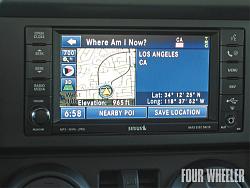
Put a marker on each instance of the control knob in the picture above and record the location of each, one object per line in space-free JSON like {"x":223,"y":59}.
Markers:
{"x":40,"y":116}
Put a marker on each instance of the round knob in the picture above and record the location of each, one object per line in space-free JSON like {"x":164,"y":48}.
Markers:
{"x":40,"y":116}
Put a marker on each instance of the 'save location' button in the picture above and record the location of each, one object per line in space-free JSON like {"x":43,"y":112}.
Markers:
{"x":178,"y":112}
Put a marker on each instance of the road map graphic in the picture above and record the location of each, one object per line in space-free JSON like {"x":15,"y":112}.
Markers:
{"x":105,"y":73}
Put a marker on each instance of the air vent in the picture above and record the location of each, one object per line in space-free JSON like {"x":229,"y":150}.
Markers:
{"x":129,"y":178}
{"x":109,"y":179}
{"x":148,"y":178}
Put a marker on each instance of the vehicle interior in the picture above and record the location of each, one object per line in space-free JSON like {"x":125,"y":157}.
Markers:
{"x":125,"y":94}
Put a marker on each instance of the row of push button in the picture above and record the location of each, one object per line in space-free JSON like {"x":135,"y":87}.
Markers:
{"x":232,"y":78}
{"x":38,"y":61}
{"x":38,"y":52}
{"x":38,"y":79}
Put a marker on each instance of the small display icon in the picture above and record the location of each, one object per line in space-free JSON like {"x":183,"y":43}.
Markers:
{"x":179,"y":42}
{"x":68,"y":56}
{"x":68,"y":59}
{"x":68,"y":84}
{"x":105,"y":91}
{"x":68,"y":70}
{"x":71,"y":41}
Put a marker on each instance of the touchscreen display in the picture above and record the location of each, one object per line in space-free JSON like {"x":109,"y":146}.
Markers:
{"x":134,"y":76}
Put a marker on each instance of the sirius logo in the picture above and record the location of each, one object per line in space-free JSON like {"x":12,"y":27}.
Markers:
{"x":137,"y":128}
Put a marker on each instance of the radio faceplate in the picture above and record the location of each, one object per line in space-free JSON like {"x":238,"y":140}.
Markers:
{"x":45,"y":66}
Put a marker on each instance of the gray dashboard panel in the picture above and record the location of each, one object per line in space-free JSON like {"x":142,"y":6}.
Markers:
{"x":146,"y":9}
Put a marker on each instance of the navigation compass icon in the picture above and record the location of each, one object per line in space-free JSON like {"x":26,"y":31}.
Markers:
{"x":105,"y":91}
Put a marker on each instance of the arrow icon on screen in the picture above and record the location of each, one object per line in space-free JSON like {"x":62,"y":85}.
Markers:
{"x":71,"y":41}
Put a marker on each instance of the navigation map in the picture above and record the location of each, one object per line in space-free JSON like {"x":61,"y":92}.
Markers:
{"x":105,"y":73}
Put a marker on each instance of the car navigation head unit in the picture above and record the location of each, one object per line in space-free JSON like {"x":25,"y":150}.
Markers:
{"x":128,"y":81}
